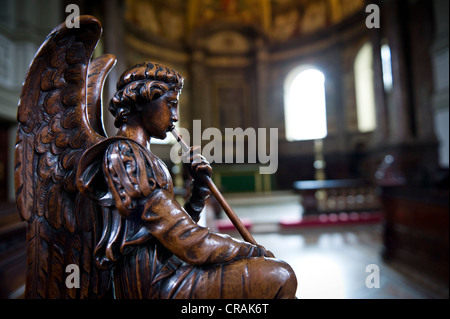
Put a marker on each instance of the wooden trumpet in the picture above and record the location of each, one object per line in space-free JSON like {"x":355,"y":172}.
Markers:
{"x":218,"y":195}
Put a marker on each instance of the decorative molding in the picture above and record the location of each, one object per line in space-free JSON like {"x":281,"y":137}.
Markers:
{"x":152,"y":51}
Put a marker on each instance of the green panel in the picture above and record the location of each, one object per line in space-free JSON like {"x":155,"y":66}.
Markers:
{"x":238,"y":183}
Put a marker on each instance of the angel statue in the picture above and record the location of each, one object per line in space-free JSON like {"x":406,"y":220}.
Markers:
{"x":106,"y":204}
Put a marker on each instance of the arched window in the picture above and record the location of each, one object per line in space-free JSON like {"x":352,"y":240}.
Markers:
{"x":364,"y":86}
{"x":305,"y":105}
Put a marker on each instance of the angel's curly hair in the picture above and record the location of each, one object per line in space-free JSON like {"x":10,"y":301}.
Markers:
{"x":141,"y":83}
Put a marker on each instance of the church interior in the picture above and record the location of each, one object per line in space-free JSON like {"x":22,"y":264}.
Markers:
{"x":338,"y":112}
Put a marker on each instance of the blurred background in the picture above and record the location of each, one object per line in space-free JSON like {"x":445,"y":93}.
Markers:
{"x":360,"y":101}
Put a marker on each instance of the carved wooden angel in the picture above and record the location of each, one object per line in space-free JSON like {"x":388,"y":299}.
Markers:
{"x":106,"y":204}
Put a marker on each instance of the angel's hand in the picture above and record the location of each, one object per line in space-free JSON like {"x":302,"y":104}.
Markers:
{"x":198,"y":167}
{"x":266,"y":253}
{"x":197,"y":164}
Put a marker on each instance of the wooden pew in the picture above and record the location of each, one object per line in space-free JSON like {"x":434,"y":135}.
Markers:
{"x":12,"y":252}
{"x":416,"y":230}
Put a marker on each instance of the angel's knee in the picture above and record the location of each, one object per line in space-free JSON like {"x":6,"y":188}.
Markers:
{"x":284,"y":280}
{"x":274,"y":278}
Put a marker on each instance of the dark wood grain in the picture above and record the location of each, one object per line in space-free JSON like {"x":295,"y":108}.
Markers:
{"x":106,"y":205}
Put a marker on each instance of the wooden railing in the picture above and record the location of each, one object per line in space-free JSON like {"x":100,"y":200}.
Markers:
{"x":337,"y":196}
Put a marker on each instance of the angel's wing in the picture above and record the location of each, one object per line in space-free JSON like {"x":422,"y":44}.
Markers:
{"x":59,"y":118}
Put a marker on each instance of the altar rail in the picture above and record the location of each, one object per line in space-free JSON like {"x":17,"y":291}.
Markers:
{"x":337,"y":196}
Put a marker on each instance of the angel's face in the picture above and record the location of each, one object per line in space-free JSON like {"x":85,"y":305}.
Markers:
{"x":160,"y":114}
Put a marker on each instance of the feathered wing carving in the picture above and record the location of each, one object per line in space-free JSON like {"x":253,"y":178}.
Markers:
{"x":98,"y":71}
{"x":59,"y":117}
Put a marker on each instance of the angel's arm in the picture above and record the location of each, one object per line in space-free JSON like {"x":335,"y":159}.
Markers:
{"x":171,"y":225}
{"x":164,"y":217}
{"x":196,"y":202}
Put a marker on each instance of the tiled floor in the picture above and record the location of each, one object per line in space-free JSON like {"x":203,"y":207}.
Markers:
{"x":337,"y":265}
{"x":331,"y":263}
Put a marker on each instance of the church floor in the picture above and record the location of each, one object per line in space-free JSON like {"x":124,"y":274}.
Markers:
{"x":333,"y":262}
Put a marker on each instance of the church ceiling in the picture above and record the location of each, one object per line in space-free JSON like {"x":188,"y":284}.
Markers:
{"x":278,"y":20}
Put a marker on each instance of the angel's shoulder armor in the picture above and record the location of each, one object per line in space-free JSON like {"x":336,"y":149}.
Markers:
{"x":120,"y":172}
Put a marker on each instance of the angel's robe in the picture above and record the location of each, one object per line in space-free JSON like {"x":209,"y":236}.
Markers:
{"x":155,"y":245}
